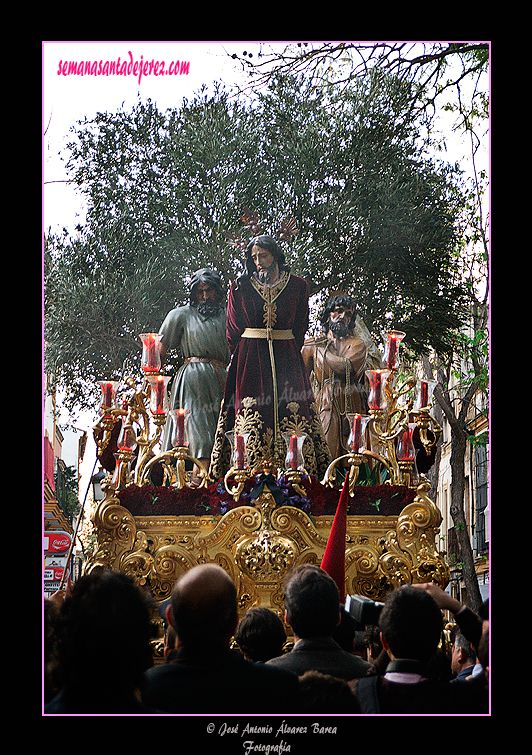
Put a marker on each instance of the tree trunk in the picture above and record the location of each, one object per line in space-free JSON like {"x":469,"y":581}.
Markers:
{"x":458,"y":452}
{"x":433,"y":474}
{"x":457,"y":464}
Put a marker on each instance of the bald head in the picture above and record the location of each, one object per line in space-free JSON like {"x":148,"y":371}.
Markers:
{"x":204,"y":606}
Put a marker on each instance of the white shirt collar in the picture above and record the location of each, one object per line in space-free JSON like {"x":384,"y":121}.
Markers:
{"x":403,"y":678}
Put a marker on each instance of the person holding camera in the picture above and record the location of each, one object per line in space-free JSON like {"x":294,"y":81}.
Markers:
{"x":411,"y":626}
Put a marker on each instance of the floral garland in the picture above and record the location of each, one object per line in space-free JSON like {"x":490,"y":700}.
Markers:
{"x":376,"y":500}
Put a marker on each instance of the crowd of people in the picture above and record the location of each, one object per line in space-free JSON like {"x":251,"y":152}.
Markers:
{"x":98,"y":651}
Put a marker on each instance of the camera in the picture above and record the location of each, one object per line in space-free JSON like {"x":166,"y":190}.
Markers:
{"x":364,"y":610}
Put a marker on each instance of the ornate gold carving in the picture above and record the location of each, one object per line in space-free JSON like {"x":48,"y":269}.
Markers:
{"x":260,"y":441}
{"x":270,"y":293}
{"x":265,"y":558}
{"x":258,"y":545}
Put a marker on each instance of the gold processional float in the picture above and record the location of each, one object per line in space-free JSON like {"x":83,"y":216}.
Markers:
{"x":260,"y":522}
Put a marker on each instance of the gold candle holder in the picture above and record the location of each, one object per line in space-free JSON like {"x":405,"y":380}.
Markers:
{"x":353,"y":462}
{"x":240,"y":476}
{"x":294,"y":477}
{"x":180,"y":455}
{"x":424,"y":421}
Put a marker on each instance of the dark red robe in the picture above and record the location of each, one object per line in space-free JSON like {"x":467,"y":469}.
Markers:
{"x":252,"y":396}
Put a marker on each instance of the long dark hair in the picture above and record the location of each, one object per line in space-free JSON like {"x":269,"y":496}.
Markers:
{"x":271,"y":245}
{"x":212,"y":279}
{"x":338,"y":300}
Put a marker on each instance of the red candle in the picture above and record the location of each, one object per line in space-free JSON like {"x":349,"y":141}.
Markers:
{"x":424,"y":393}
{"x":180,"y":427}
{"x":405,"y":448}
{"x":392,"y":352}
{"x":239,"y":452}
{"x":357,"y":429}
{"x":159,"y":394}
{"x":107,"y":394}
{"x":377,"y":390}
{"x":126,"y":440}
{"x":150,"y":354}
{"x":293,"y":452}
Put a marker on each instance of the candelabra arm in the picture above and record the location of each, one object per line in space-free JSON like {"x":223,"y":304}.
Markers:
{"x":383,"y":460}
{"x":180,"y":454}
{"x":293,"y":477}
{"x":403,"y":389}
{"x":106,"y":424}
{"x":354,"y":460}
{"x":386,"y":430}
{"x":241,"y":476}
{"x":146,"y":446}
{"x":423,"y":420}
{"x":397,"y":425}
{"x":329,"y":477}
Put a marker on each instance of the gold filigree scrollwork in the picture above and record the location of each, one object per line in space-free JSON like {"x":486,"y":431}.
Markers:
{"x":169,"y":563}
{"x":227,"y":531}
{"x":116,"y":532}
{"x":395,"y":564}
{"x":417,"y":528}
{"x":258,"y":545}
{"x":259,"y":439}
{"x":294,"y":423}
{"x":266,"y":558}
{"x":268,"y":555}
{"x":138,"y":563}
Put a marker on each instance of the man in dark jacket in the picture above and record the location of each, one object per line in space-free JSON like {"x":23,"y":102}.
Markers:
{"x":203,"y":675}
{"x":312,"y":609}
{"x":411,"y":625}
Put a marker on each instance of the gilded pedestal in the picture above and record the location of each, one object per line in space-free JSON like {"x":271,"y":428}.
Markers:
{"x":257,"y":545}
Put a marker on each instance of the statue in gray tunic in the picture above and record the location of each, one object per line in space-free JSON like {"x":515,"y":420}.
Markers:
{"x":198,"y":331}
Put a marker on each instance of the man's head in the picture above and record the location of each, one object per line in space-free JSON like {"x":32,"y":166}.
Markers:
{"x":339,"y":315}
{"x":463,"y":655}
{"x":203,"y":608}
{"x":104,"y":632}
{"x":312,"y":602}
{"x":206,"y":291}
{"x":264,"y":258}
{"x":411,"y":624}
{"x":261,"y":634}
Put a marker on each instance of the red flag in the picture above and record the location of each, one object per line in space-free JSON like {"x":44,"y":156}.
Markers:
{"x":334,"y":557}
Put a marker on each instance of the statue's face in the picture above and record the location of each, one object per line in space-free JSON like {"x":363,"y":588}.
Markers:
{"x":203,"y":292}
{"x":341,"y":314}
{"x":340,"y":321}
{"x":265,"y":262}
{"x":262,"y":258}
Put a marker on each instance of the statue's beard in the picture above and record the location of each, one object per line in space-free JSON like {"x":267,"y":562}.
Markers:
{"x":208,"y":308}
{"x":267,"y":276}
{"x":339,"y":329}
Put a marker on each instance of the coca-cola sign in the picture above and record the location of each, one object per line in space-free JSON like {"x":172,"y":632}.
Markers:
{"x":53,"y":575}
{"x":56,"y":542}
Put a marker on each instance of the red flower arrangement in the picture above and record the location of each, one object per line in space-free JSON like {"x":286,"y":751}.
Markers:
{"x":376,"y":500}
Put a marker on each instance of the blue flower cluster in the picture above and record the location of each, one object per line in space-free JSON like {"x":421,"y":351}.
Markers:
{"x":281,"y":489}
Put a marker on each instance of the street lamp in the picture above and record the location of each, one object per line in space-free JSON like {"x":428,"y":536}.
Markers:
{"x":97,"y":491}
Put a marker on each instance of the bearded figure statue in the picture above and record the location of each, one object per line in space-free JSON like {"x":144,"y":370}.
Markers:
{"x":198,"y":331}
{"x":336,"y":362}
{"x":268,"y":392}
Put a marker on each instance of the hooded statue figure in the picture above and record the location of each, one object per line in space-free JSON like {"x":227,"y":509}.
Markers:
{"x":198,"y":331}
